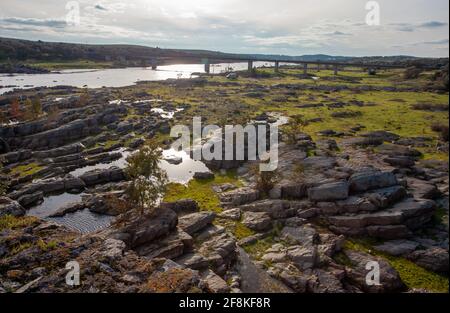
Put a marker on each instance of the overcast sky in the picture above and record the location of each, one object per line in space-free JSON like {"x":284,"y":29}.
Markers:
{"x":294,"y":27}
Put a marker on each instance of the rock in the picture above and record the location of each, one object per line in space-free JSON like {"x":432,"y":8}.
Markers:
{"x":204,"y":175}
{"x":240,"y":196}
{"x":389,"y":278}
{"x":10,"y":207}
{"x":113,"y":249}
{"x":194,"y":222}
{"x":169,"y":247}
{"x":275,"y":208}
{"x":149,"y":228}
{"x":74,"y":184}
{"x":220,"y":251}
{"x":182,"y":206}
{"x":293,"y":190}
{"x":329,"y":192}
{"x":101,"y":176}
{"x":422,"y":189}
{"x":383,"y":198}
{"x":382,"y":135}
{"x":29,"y":199}
{"x":174,"y":160}
{"x":400,"y":161}
{"x":304,"y":257}
{"x":232,"y":214}
{"x":258,"y":221}
{"x":16,"y":156}
{"x":303,"y":235}
{"x":434,"y":259}
{"x":214,"y":283}
{"x":397,"y":247}
{"x":103,"y":203}
{"x":364,"y":181}
{"x":193,"y":261}
{"x":124,"y":127}
{"x":68,"y":208}
{"x":396,"y":151}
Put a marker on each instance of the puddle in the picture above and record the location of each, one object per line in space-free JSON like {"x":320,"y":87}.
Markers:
{"x":84,"y":221}
{"x":52,"y":203}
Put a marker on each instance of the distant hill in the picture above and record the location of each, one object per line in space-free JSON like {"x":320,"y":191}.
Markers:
{"x":17,"y":50}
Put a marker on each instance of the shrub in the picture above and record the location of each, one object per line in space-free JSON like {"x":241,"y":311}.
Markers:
{"x":15,"y":112}
{"x":412,"y":72}
{"x":295,"y":126}
{"x":265,"y":180}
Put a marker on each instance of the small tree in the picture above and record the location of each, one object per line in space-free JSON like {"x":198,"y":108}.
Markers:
{"x":36,"y":107}
{"x":265,"y":180}
{"x":295,"y":126}
{"x":148,"y":180}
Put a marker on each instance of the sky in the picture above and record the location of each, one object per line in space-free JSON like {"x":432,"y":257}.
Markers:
{"x":292,"y":27}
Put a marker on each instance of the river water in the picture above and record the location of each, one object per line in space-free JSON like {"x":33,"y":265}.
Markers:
{"x":113,"y":77}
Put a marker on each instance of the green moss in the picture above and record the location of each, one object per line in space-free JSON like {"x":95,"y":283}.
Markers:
{"x":257,"y":249}
{"x":25,"y":170}
{"x":241,"y":231}
{"x":45,"y":246}
{"x":20,"y":247}
{"x":201,"y":191}
{"x":411,"y":274}
{"x":12,"y":222}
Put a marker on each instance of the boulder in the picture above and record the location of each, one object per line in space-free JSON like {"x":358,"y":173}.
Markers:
{"x":148,"y":228}
{"x":304,"y":257}
{"x":390,"y":280}
{"x":194,"y":222}
{"x":30,"y":199}
{"x":258,"y":221}
{"x":101,"y":176}
{"x":397,"y":247}
{"x":368,"y":180}
{"x":10,"y":207}
{"x":232,"y":214}
{"x":214,"y":283}
{"x":204,"y":175}
{"x":182,"y":206}
{"x":329,"y":192}
{"x":240,"y":196}
{"x":434,"y":259}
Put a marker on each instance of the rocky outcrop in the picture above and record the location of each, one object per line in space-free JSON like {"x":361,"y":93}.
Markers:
{"x":10,"y":207}
{"x":194,"y":222}
{"x":113,"y":174}
{"x":329,"y":192}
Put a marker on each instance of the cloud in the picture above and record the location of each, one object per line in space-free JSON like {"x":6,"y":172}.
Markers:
{"x":100,"y":7}
{"x":433,"y":24}
{"x":437,"y":42}
{"x":55,"y":23}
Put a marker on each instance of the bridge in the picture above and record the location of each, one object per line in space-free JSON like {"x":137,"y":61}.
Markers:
{"x":207,"y":60}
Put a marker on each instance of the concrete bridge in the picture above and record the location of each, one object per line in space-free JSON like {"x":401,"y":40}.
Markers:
{"x":307,"y":65}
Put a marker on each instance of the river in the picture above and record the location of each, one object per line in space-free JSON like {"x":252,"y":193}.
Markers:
{"x":120,"y":77}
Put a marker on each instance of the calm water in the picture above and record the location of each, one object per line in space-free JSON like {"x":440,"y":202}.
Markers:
{"x":112,"y":77}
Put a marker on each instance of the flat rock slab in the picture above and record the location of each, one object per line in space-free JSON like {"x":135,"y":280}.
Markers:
{"x":369,"y":180}
{"x":194,"y":222}
{"x":329,"y":192}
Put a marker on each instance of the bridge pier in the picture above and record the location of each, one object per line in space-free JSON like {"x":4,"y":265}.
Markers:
{"x":335,"y":70}
{"x":277,"y":67}
{"x":250,"y":66}
{"x":207,"y":68}
{"x":305,"y":68}
{"x":318,"y":67}
{"x":154,"y":64}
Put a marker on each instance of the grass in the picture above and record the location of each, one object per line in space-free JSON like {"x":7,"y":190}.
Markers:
{"x":11,"y":222}
{"x":411,"y":274}
{"x":201,"y":191}
{"x":258,"y":248}
{"x":26,"y":170}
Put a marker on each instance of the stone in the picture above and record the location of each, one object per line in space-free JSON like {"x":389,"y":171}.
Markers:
{"x":182,"y":206}
{"x":275,"y":208}
{"x":390,"y":280}
{"x":258,"y":221}
{"x":193,"y":261}
{"x":204,"y":175}
{"x":303,"y":235}
{"x":400,"y":161}
{"x":30,"y":199}
{"x":397,"y":247}
{"x":385,"y":197}
{"x":232,"y":214}
{"x":194,"y":222}
{"x":10,"y":207}
{"x":368,"y":180}
{"x":240,"y":196}
{"x":329,"y":192}
{"x":304,"y":257}
{"x":149,"y":228}
{"x":434,"y":259}
{"x":113,"y":249}
{"x":422,"y":189}
{"x":214,"y":283}
{"x":174,"y":160}
{"x":102,"y":176}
